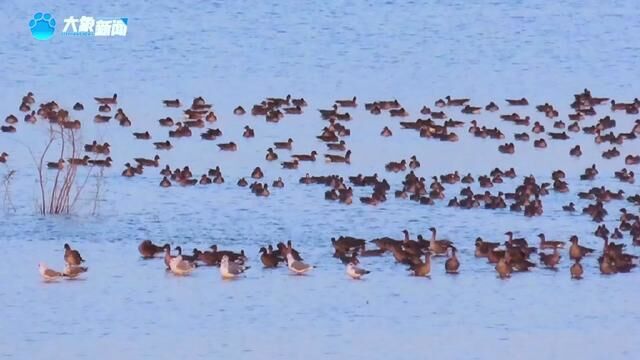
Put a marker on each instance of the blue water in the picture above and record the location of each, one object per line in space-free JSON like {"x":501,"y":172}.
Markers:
{"x":236,"y":53}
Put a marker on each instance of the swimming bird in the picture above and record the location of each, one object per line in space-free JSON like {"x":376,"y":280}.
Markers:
{"x":48,"y":274}
{"x":452,"y":265}
{"x":107,"y":100}
{"x":180,"y":267}
{"x":546,"y":244}
{"x":155,"y":162}
{"x":172,"y":103}
{"x":72,"y":257}
{"x":148,"y":249}
{"x":355,"y":272}
{"x":73,"y":272}
{"x":577,"y":251}
{"x":230,"y":270}
{"x":296,"y":266}
{"x":422,"y":268}
{"x":268,"y":258}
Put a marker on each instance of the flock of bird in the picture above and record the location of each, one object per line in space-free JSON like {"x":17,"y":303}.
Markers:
{"x":514,"y":255}
{"x":526,"y":198}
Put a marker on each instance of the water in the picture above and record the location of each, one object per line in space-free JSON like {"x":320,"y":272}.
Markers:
{"x":238,"y":52}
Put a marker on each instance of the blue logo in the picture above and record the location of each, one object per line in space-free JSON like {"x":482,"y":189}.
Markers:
{"x":42,"y":26}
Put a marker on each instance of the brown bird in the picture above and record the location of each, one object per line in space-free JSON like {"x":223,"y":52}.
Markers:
{"x":72,"y":257}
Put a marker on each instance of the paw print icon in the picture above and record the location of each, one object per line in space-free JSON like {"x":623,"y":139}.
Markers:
{"x":42,"y":26}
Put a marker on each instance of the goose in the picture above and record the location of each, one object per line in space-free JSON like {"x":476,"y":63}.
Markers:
{"x":438,"y":247}
{"x":422,"y":269}
{"x":72,"y":257}
{"x":48,"y":274}
{"x":180,"y":267}
{"x":452,"y":265}
{"x":72,"y":272}
{"x":230,"y":270}
{"x":296,"y":266}
{"x":355,"y":272}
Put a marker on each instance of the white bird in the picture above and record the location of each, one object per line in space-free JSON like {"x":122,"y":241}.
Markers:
{"x":180,"y":267}
{"x":356,"y":272}
{"x":230,"y":269}
{"x":48,"y":274}
{"x":296,"y":266}
{"x":74,"y":271}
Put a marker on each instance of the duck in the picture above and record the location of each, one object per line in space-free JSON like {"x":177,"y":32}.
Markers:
{"x":142,"y":135}
{"x":107,"y":100}
{"x":230,"y":146}
{"x":165,"y":182}
{"x":577,"y":251}
{"x":8,"y":128}
{"x":294,"y":110}
{"x":521,"y":242}
{"x":148,"y":249}
{"x":575,"y":151}
{"x":242,"y":182}
{"x":422,"y":269}
{"x":104,"y":108}
{"x":100,"y":119}
{"x":78,"y":107}
{"x":484,"y":248}
{"x":271,"y":155}
{"x":163,"y":145}
{"x":72,"y":272}
{"x":492,"y":107}
{"x":503,"y":268}
{"x":11,"y":119}
{"x":57,"y":165}
{"x":290,"y":164}
{"x":72,"y":257}
{"x":347,"y":103}
{"x":229,"y":269}
{"x":175,"y":103}
{"x":517,"y":102}
{"x":546,"y":244}
{"x":338,"y":158}
{"x":239,"y":111}
{"x":268,"y":258}
{"x":248,"y":132}
{"x":257,"y":173}
{"x":452,"y":265}
{"x":166,"y":122}
{"x":569,"y":207}
{"x":456,"y":102}
{"x":386,"y":132}
{"x":540,"y":143}
{"x":31,"y":118}
{"x":306,"y":157}
{"x":278,"y":183}
{"x":155,"y":162}
{"x":550,"y":260}
{"x":101,"y":163}
{"x":287,"y":145}
{"x":576,"y":270}
{"x":355,"y":272}
{"x":340,"y":146}
{"x":413,"y":162}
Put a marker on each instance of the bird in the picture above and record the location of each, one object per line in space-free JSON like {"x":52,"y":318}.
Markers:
{"x":48,"y":274}
{"x":576,"y":270}
{"x":230,"y":270}
{"x":180,"y":267}
{"x":297,"y":267}
{"x":74,"y":271}
{"x":268,"y":258}
{"x":72,"y":257}
{"x":355,"y":272}
{"x":452,"y":264}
